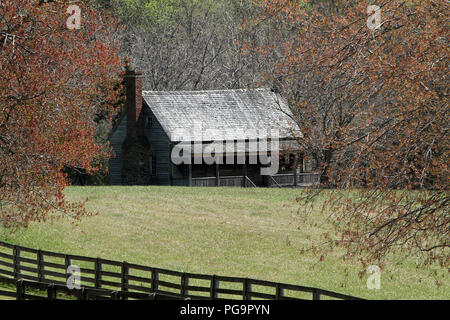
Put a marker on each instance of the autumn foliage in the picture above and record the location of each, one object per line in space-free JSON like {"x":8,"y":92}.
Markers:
{"x":53,"y":81}
{"x":371,"y":98}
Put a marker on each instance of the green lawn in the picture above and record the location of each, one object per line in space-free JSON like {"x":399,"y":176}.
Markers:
{"x":253,"y":233}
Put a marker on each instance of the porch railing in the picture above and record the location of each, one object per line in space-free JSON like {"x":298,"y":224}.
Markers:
{"x":278,"y":180}
{"x":226,"y":181}
{"x":288,"y":179}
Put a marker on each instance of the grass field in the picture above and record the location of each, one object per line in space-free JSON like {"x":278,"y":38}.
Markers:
{"x":253,"y":233}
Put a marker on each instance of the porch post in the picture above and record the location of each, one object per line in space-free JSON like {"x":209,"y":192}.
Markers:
{"x":190,"y":174}
{"x":295,"y":170}
{"x":302,"y":162}
{"x":170,"y":164}
{"x":244,"y":174}
{"x":217,"y":175}
{"x":302,"y":166}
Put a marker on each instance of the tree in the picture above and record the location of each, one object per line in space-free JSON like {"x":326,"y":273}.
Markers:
{"x":187,"y":44}
{"x":54,"y":80}
{"x":371,"y":98}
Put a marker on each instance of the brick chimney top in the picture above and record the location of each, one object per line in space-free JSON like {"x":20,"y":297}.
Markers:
{"x":135,"y":120}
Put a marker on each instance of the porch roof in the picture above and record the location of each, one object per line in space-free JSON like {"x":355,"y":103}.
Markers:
{"x":238,"y":147}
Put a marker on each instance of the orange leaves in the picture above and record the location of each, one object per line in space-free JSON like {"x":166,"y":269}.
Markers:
{"x":373,"y":109}
{"x":57,"y":79}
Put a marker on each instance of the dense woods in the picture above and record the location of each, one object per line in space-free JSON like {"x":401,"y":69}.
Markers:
{"x":187,"y":44}
{"x":371,"y":99}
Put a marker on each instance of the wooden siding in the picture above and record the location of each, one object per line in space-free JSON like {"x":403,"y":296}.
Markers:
{"x":160,"y":148}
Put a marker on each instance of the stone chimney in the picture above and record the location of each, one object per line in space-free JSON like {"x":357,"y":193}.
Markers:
{"x":135,"y":149}
{"x":135,"y":121}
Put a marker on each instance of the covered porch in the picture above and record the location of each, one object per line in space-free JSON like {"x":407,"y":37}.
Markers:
{"x":227,"y":167}
{"x":291,"y":173}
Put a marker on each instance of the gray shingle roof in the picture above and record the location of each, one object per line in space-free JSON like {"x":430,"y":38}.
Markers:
{"x":220,"y":114}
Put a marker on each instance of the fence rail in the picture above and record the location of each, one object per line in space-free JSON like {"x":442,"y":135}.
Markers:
{"x":31,"y":290}
{"x":127,"y":280}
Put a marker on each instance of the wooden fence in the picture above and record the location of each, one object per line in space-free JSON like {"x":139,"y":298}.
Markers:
{"x":45,"y":267}
{"x":31,"y":290}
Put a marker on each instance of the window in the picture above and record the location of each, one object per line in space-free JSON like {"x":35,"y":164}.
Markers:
{"x":149,"y":121}
{"x":287,"y":162}
{"x":152,"y":165}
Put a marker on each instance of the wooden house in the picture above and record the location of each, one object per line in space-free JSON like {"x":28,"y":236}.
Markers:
{"x":156,"y":123}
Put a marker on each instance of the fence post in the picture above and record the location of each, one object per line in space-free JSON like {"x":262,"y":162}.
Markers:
{"x":82,"y":295}
{"x":16,"y":261}
{"x":316,"y":294}
{"x":115,"y":295}
{"x":124,"y":279}
{"x":40,"y":266}
{"x":184,"y":283}
{"x":124,"y":275}
{"x":51,"y":292}
{"x":20,"y":290}
{"x":213,"y":289}
{"x":246,"y":289}
{"x":279,"y":292}
{"x":67,"y":263}
{"x":97,"y":269}
{"x":155,"y":280}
